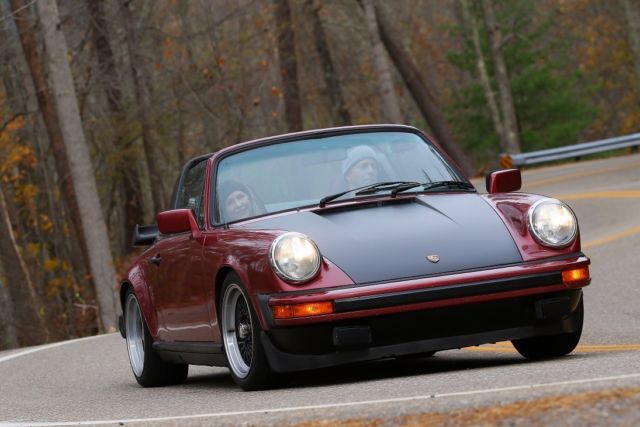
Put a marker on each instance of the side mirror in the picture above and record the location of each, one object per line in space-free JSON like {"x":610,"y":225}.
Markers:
{"x":144,"y":235}
{"x":504,"y":181}
{"x":176,"y":221}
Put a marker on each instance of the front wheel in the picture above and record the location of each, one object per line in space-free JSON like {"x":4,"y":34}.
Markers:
{"x":550,"y":346}
{"x":148,"y":369}
{"x":241,"y":336}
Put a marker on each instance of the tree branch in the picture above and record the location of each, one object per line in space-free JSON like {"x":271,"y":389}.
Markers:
{"x":13,"y":118}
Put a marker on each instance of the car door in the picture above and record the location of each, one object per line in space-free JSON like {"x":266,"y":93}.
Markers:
{"x":181,"y":288}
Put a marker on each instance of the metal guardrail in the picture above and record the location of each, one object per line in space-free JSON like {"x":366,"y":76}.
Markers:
{"x":569,"y":151}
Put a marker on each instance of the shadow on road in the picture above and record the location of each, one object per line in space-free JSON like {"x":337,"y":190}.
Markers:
{"x":378,"y":370}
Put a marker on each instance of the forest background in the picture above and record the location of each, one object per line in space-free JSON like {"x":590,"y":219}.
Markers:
{"x":102,"y":102}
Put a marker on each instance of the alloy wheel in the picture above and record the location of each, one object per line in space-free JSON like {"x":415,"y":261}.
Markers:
{"x":134,"y":327}
{"x":237,"y":330}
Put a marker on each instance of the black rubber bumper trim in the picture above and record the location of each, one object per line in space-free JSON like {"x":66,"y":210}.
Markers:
{"x":284,"y":362}
{"x":446,"y":292}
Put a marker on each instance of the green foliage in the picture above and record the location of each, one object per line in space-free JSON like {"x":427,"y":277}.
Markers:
{"x":550,"y":110}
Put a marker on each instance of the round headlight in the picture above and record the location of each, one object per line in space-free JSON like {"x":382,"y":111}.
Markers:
{"x":552,"y":223}
{"x":295,"y":257}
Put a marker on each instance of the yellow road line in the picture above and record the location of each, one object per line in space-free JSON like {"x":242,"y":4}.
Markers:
{"x":542,"y":182}
{"x":616,"y":194}
{"x":505,"y":347}
{"x":621,"y":194}
{"x":620,"y":235}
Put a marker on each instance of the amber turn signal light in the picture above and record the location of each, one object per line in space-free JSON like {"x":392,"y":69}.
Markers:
{"x":576,"y":276}
{"x":302,"y":310}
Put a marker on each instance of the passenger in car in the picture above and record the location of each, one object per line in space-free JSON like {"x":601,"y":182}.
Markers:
{"x":238,"y":202}
{"x":361,"y":166}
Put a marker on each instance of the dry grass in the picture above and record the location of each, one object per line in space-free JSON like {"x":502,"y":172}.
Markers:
{"x":490,"y":416}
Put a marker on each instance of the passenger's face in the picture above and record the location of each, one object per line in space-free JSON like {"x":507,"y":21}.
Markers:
{"x":364,"y":172}
{"x":238,"y":205}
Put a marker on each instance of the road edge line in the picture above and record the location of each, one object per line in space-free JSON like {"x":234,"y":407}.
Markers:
{"x":325,"y":406}
{"x":48,"y":346}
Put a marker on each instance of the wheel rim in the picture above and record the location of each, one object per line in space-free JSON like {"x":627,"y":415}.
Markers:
{"x":237,"y":330}
{"x":135,"y":335}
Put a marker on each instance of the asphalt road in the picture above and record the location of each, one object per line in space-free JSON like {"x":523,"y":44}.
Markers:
{"x":89,"y":381}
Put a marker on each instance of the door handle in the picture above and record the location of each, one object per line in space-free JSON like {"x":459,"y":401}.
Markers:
{"x":156,"y":259}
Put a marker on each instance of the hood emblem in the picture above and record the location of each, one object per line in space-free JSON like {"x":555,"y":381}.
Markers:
{"x":433,"y":258}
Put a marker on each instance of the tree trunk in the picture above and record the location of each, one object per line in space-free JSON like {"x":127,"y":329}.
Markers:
{"x":391,"y":112}
{"x":143,"y":99}
{"x":30,"y":326}
{"x":18,"y":83}
{"x":288,"y":66}
{"x":341,"y":112}
{"x":50,"y":118}
{"x":422,"y":95}
{"x":509,"y":118}
{"x":93,"y":224}
{"x":131,"y":182}
{"x":633,"y":22}
{"x":8,"y":333}
{"x":485,"y":81}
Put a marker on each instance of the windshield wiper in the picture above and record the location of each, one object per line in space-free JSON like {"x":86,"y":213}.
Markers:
{"x":431,"y":185}
{"x":367,"y":189}
{"x":387,"y":187}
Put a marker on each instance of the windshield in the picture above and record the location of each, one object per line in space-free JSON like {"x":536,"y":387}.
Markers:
{"x":300,"y":173}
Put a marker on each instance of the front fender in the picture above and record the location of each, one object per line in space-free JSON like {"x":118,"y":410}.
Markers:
{"x":136,"y":280}
{"x":512,"y":209}
{"x":245,"y":252}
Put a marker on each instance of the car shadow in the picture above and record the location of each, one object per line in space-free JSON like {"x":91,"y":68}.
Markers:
{"x":397,"y":368}
{"x":444,"y":362}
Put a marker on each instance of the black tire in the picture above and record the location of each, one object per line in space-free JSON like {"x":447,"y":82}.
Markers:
{"x":153,"y":372}
{"x":550,"y":346}
{"x":243,"y":348}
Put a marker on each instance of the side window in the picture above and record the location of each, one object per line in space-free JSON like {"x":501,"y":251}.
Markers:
{"x":191,"y":194}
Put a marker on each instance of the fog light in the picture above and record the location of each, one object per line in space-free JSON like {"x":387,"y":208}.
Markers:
{"x":302,"y":310}
{"x":576,"y":277}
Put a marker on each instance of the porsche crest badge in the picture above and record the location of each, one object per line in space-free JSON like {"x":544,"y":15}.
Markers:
{"x":433,"y":258}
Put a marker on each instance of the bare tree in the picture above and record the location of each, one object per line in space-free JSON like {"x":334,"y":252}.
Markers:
{"x":471,"y":22}
{"x":30,"y":326}
{"x":143,"y":98}
{"x":633,"y":22}
{"x":422,"y":95}
{"x":93,"y":224}
{"x":510,"y":121}
{"x":8,"y":333}
{"x":389,"y":100}
{"x":288,"y":66}
{"x":131,"y":184}
{"x":334,"y":88}
{"x":50,"y":119}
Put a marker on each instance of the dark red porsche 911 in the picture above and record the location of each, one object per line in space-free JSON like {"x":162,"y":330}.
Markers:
{"x":336,"y":246}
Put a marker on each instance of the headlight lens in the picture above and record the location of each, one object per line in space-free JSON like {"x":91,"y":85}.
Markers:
{"x":552,"y":223}
{"x":295,"y":257}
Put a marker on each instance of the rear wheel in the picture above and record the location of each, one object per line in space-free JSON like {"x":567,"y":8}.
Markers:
{"x":148,"y":369}
{"x":241,"y":336}
{"x":550,"y":346}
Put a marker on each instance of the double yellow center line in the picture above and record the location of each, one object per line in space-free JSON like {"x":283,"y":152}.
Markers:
{"x":506,"y":347}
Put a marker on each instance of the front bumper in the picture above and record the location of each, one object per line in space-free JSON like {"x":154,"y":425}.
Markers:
{"x":423,"y":315}
{"x":358,"y":301}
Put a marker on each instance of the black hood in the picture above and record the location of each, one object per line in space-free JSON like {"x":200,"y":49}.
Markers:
{"x":391,"y":241}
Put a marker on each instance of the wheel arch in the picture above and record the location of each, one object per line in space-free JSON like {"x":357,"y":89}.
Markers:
{"x":221,"y":276}
{"x":141,"y":290}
